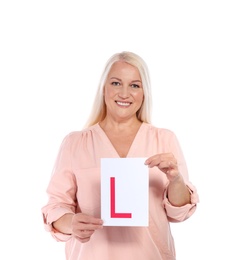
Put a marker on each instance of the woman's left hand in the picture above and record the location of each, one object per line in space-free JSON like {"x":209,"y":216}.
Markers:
{"x":167,"y":163}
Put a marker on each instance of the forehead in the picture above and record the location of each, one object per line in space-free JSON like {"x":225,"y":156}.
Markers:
{"x":124,"y":68}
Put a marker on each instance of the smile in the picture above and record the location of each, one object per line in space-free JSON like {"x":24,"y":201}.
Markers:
{"x":124,"y":104}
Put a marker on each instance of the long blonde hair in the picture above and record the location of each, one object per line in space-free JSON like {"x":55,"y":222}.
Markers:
{"x":98,"y":112}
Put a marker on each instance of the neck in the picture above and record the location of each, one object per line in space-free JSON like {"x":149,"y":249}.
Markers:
{"x":108,"y":124}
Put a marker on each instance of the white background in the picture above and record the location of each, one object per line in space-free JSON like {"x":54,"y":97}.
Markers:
{"x":51,"y":57}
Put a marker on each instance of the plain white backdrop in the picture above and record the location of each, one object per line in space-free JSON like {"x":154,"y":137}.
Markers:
{"x":51,"y":57}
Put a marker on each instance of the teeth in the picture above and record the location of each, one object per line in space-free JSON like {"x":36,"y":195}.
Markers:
{"x":123,"y":103}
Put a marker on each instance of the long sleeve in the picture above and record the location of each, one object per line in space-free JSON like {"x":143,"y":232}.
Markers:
{"x":60,"y":190}
{"x":178,"y":214}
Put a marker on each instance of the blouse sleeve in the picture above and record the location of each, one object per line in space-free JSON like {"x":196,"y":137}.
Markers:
{"x":178,"y":214}
{"x":61,"y":191}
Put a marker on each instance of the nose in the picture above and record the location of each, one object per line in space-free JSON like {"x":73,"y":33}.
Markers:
{"x":124,"y":92}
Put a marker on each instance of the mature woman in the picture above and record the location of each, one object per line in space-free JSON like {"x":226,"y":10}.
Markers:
{"x":119,"y":126}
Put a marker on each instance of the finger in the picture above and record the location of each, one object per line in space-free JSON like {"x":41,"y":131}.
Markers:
{"x":156,"y":159}
{"x":153,"y":161}
{"x":85,"y":229}
{"x":161,"y":163}
{"x":82,"y":240}
{"x":84,"y":233}
{"x":90,"y":226}
{"x":83,"y":218}
{"x":148,"y":160}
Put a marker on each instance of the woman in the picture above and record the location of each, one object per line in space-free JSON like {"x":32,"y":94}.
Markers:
{"x":119,"y":126}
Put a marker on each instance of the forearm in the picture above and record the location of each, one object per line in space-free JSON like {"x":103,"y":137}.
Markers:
{"x":63,"y":224}
{"x":178,"y":192}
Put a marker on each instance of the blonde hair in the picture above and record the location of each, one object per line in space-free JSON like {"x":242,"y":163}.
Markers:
{"x":98,"y":112}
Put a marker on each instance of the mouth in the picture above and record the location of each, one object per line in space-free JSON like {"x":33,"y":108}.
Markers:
{"x":123,"y":104}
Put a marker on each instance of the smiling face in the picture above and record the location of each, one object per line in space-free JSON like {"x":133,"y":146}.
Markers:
{"x":123,"y":91}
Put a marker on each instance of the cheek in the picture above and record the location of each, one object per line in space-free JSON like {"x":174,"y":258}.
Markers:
{"x":108,"y":95}
{"x":109,"y":92}
{"x":139,"y":96}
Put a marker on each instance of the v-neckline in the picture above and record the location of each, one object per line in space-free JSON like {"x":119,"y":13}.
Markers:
{"x":111,"y":147}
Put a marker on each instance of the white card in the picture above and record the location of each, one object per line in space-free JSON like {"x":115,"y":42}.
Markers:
{"x":124,"y":191}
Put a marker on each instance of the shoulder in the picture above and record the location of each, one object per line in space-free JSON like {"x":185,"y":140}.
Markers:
{"x":158,"y":130}
{"x":165,"y":139}
{"x":78,"y":136}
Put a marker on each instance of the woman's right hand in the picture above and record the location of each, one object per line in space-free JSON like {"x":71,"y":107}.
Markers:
{"x":83,"y":226}
{"x":79,"y":225}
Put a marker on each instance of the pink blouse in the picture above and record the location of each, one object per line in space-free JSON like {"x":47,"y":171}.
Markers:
{"x":75,"y":187}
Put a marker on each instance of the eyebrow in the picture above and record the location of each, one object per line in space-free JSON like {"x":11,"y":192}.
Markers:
{"x":137,"y":80}
{"x":116,"y":78}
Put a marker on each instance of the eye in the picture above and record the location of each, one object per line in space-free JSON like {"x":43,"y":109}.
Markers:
{"x":115,"y":83}
{"x":135,"y":86}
